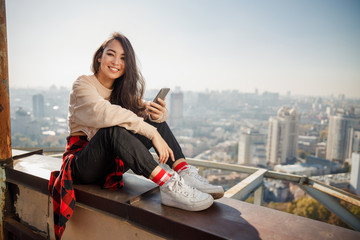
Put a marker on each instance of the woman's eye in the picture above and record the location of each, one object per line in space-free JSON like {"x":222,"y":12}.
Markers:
{"x":110,"y":54}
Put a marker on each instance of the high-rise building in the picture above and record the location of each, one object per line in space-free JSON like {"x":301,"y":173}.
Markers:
{"x":38,"y":106}
{"x":343,"y":136}
{"x":21,"y":121}
{"x":204,"y":99}
{"x":320,"y":150}
{"x":354,"y":146}
{"x":176,"y":107}
{"x":282,"y":138}
{"x":355,"y":173}
{"x":251,"y":148}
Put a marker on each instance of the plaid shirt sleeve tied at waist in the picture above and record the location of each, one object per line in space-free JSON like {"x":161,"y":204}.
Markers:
{"x":61,"y":184}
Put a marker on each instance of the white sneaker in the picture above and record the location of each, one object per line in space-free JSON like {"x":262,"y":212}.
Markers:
{"x":193,"y":179}
{"x":176,"y":193}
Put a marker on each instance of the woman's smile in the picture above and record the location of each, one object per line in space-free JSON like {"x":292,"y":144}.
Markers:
{"x":112,"y":64}
{"x":114,"y":70}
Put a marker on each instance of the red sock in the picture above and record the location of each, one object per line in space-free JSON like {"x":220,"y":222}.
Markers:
{"x":181,"y":166}
{"x":161,"y":177}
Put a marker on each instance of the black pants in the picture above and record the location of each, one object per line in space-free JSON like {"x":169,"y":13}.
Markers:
{"x":96,"y":160}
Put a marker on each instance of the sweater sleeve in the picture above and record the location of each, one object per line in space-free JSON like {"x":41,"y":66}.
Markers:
{"x":92,"y":110}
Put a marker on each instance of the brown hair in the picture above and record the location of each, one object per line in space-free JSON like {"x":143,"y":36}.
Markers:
{"x":128,"y":90}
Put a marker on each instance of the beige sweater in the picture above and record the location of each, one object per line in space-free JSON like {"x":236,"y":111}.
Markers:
{"x":90,"y":110}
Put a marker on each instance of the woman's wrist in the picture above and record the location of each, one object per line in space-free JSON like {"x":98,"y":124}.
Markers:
{"x":156,"y":134}
{"x":156,"y":119}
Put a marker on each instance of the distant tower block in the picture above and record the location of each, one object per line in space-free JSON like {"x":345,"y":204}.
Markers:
{"x":355,"y":173}
{"x":342,"y":136}
{"x":38,"y":106}
{"x":176,"y":107}
{"x":251,"y":148}
{"x":282,"y":139}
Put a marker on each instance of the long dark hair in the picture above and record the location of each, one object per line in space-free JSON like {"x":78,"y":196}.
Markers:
{"x":128,"y":90}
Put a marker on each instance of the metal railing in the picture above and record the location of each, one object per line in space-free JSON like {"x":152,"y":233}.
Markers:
{"x":254,"y":183}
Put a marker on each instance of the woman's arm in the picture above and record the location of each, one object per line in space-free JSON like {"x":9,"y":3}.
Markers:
{"x":92,"y":110}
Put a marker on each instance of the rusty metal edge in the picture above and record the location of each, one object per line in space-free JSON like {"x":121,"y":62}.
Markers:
{"x":19,"y":230}
{"x":36,"y":183}
{"x":39,"y":151}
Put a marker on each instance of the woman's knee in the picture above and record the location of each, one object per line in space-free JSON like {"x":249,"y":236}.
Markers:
{"x":115,"y":131}
{"x":119,"y":136}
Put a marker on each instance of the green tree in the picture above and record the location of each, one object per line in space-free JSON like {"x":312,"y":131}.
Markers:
{"x":19,"y":140}
{"x":311,"y":208}
{"x":307,"y":207}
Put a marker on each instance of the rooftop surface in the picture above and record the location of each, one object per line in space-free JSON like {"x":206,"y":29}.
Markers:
{"x":139,"y":202}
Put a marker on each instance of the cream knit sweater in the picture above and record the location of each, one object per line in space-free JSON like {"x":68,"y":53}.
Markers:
{"x":90,"y":110}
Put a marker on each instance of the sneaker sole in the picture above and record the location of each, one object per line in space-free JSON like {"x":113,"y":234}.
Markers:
{"x":206,"y":204}
{"x":217,"y":195}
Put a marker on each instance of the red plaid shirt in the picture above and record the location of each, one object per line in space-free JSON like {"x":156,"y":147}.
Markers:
{"x":61,"y":184}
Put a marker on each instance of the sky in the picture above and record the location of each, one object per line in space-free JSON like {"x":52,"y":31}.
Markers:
{"x":307,"y":47}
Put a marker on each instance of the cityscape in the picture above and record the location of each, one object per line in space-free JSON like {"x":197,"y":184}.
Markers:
{"x":318,"y":137}
{"x":267,"y":106}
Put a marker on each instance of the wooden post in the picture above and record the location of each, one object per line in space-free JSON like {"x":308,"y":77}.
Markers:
{"x":5,"y":128}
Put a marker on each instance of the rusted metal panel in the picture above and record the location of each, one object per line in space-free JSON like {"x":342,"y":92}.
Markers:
{"x":5,"y":133}
{"x":2,"y":199}
{"x":20,"y":231}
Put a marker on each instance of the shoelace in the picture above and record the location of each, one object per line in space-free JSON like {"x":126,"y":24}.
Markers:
{"x":193,"y":171}
{"x":180,"y":187}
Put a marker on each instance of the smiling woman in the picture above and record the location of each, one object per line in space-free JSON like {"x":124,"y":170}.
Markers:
{"x":109,"y":63}
{"x":112,"y":64}
{"x":112,"y":129}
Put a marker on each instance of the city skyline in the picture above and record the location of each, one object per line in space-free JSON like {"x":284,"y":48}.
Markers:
{"x":304,"y":47}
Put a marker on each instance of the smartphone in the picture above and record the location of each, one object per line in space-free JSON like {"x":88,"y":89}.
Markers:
{"x":161,"y":94}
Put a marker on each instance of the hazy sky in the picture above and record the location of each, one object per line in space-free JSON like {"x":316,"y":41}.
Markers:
{"x":306,"y":47}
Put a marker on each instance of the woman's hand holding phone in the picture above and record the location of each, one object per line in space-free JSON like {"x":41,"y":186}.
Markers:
{"x":156,"y":110}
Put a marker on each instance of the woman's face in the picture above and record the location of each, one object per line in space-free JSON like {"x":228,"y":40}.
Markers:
{"x":112,"y":62}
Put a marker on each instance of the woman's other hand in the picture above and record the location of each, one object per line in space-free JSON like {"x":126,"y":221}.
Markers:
{"x":162,"y":148}
{"x":156,"y":110}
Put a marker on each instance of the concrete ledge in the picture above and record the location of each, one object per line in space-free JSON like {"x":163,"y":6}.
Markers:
{"x":139,"y":204}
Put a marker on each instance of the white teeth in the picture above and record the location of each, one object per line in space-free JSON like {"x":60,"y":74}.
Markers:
{"x":114,"y":69}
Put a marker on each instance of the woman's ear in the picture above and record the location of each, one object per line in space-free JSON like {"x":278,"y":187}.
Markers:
{"x":99,"y":57}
